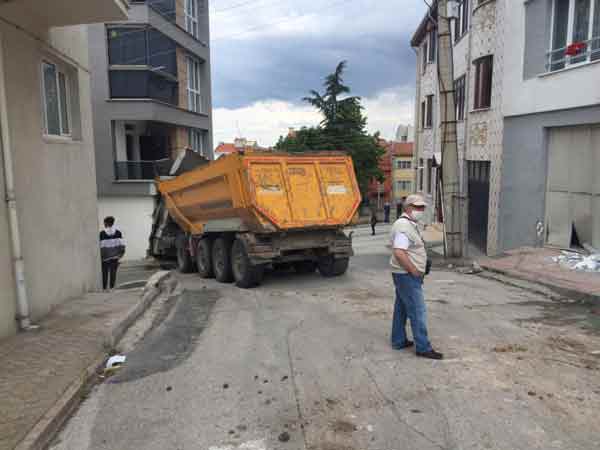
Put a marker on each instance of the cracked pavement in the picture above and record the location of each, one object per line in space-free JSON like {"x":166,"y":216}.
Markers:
{"x":235,"y":369}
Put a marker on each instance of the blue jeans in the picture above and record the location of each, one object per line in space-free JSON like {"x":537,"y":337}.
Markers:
{"x":409,"y":305}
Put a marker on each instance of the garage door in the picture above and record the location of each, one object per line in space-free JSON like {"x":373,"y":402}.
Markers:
{"x":573,"y":197}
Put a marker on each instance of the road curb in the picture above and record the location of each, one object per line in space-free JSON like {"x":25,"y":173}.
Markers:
{"x":560,"y":290}
{"x":40,"y":436}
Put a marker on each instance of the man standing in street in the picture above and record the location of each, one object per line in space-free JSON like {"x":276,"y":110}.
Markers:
{"x":112,"y":249}
{"x":409,"y":263}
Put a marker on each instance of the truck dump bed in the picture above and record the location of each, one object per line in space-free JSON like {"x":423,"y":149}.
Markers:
{"x":264,"y":192}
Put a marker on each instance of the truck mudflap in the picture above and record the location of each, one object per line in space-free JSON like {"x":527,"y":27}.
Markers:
{"x":299,"y":246}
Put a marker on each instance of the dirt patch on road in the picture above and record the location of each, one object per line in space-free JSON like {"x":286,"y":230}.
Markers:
{"x":343,"y":426}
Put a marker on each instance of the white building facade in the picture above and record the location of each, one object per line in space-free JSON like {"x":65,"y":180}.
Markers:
{"x":551,"y":148}
{"x":48,"y":220}
{"x":527,"y":83}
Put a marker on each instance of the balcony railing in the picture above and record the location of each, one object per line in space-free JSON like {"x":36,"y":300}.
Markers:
{"x":134,"y":170}
{"x":576,"y":53}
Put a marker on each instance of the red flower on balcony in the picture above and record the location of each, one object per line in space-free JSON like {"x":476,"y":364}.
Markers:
{"x":575,"y":48}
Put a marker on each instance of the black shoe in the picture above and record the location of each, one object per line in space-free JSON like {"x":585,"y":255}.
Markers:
{"x":431,"y":354}
{"x":407,"y":344}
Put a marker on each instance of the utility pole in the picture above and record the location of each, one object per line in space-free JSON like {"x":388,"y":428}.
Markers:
{"x":451,"y":194}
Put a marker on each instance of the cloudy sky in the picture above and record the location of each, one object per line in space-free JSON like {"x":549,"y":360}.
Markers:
{"x":267,"y":55}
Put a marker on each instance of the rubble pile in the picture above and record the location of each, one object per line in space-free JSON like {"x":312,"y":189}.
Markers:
{"x":579,"y":261}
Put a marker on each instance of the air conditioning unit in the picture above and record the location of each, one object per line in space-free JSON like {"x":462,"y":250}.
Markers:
{"x":452,"y":9}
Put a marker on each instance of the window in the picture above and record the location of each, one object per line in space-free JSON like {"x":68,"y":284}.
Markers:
{"x":196,"y":141}
{"x":400,"y":164}
{"x":128,"y":46}
{"x":459,"y":95}
{"x":56,"y":100}
{"x":483,"y":82}
{"x":191,"y":17}
{"x":428,"y":111}
{"x":421,"y":174}
{"x":461,"y":24}
{"x":575,"y":33}
{"x":194,"y":95}
{"x":432,"y":45}
{"x":403,"y":185}
{"x":425,"y":54}
{"x":423,"y":114}
{"x":143,"y":84}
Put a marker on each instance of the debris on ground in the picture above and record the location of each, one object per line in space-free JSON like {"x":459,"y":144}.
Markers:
{"x":579,"y":261}
{"x":115,"y":361}
{"x":509,"y":348}
{"x":284,"y":437}
{"x":470,"y":270}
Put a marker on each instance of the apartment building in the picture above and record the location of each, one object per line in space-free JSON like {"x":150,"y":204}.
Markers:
{"x":478,"y":50}
{"x":551,"y":149}
{"x":151,"y":94}
{"x":48,"y":221}
{"x":403,"y":173}
{"x":528,"y":110}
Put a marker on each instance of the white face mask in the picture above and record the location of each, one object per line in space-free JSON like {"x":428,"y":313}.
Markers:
{"x":417,"y":215}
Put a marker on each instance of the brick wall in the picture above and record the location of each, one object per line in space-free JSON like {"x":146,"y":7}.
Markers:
{"x":180,"y":13}
{"x":182,"y":76}
{"x":179,"y":140}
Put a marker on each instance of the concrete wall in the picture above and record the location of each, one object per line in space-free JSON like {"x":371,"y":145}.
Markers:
{"x":569,"y":88}
{"x":133,"y":217}
{"x":525,"y":169}
{"x":8,"y":310}
{"x":55,"y":177}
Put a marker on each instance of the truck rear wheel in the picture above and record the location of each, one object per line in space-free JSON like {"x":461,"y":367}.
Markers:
{"x":185,"y":263}
{"x":331,"y":267}
{"x":245,"y":274}
{"x":305,"y":266}
{"x":204,"y":260}
{"x":221,"y":259}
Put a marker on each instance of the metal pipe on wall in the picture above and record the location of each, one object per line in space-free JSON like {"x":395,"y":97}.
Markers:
{"x":11,"y":201}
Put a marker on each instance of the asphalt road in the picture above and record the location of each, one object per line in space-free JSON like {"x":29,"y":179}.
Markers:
{"x":303,"y":362}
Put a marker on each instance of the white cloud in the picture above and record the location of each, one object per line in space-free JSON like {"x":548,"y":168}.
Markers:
{"x":316,"y":18}
{"x":266,"y":120}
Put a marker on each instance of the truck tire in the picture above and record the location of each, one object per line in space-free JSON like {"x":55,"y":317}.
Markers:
{"x":245,"y":274}
{"x":331,"y":267}
{"x":185,"y":263}
{"x":221,"y":259}
{"x":305,"y":267}
{"x":204,"y":260}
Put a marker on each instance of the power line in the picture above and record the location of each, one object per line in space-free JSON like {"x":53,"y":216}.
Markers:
{"x":286,"y":20}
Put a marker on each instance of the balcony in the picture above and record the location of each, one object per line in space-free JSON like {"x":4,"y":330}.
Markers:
{"x":134,"y":170}
{"x":59,"y":13}
{"x":573,"y":55}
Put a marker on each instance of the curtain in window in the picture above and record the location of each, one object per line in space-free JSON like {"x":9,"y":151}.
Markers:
{"x":596,"y":32}
{"x":559,"y":40}
{"x":581,"y":25}
{"x":51,"y":98}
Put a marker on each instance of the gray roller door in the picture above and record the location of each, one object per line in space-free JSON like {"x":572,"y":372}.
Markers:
{"x":573,"y":192}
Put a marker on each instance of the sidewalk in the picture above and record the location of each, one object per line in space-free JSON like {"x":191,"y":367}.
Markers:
{"x":536,"y":265}
{"x":43,"y":372}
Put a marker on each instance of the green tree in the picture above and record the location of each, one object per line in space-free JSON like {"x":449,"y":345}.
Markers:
{"x":343,"y":128}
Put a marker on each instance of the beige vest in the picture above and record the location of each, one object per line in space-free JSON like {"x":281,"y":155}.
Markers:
{"x":416,"y":249}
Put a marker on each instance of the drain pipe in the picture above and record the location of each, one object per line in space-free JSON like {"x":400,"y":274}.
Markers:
{"x":11,"y":201}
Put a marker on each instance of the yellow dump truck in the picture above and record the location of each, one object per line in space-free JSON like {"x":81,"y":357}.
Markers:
{"x":233,"y":217}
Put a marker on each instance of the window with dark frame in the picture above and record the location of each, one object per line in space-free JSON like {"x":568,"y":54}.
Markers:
{"x":432,"y":45}
{"x":429,"y":108}
{"x":461,"y":24}
{"x":483,"y":82}
{"x":423,"y":114}
{"x":425,"y":54}
{"x":56,"y":100}
{"x":460,"y":96}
